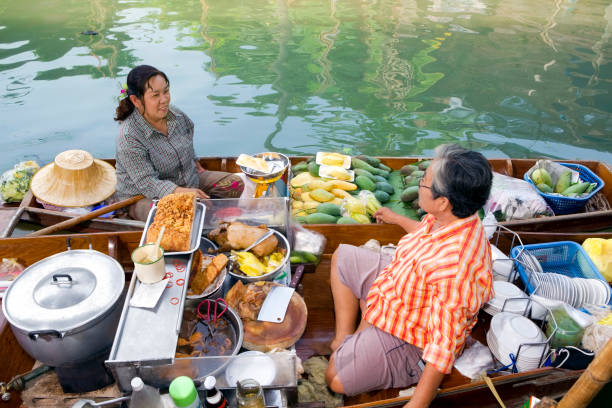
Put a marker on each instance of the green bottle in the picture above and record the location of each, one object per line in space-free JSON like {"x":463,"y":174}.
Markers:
{"x":184,"y":394}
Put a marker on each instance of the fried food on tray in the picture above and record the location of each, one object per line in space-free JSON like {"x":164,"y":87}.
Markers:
{"x":207,"y":273}
{"x":176,"y":212}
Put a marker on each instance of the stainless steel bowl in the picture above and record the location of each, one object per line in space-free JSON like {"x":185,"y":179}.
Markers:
{"x":281,"y":159}
{"x":283,"y":244}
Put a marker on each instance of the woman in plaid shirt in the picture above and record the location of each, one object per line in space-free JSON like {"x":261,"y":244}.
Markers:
{"x":419,"y":306}
{"x":155,"y":154}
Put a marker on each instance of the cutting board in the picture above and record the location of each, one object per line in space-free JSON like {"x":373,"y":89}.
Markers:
{"x":265,"y":336}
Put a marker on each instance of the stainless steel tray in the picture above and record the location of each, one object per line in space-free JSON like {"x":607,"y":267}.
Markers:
{"x":149,"y":336}
{"x":196,"y":229}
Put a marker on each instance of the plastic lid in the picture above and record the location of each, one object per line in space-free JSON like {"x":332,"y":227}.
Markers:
{"x":137,"y":384}
{"x":182,"y":391}
{"x":210,"y":382}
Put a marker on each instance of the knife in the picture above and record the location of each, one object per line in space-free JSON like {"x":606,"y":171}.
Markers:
{"x":275,"y":305}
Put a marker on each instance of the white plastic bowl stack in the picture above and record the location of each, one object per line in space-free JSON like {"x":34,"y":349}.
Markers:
{"x":573,"y":291}
{"x":507,"y":332}
{"x":502,"y":264}
{"x":502,"y":291}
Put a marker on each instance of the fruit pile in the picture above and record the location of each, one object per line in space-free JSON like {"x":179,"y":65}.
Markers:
{"x":322,"y":193}
{"x":564,"y":186}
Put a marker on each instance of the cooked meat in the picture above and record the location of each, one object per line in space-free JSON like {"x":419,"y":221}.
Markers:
{"x":206,"y":275}
{"x":240,"y":236}
{"x":247,"y":300}
{"x":176,"y":212}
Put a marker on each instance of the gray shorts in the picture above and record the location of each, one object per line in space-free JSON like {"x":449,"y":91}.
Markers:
{"x":371,"y":359}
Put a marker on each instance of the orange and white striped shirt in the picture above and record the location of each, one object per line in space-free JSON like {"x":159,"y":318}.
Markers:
{"x":430,"y":293}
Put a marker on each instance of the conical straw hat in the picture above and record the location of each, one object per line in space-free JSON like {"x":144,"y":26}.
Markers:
{"x":74,"y":179}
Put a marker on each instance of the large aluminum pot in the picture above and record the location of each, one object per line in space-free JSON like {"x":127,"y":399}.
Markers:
{"x":65,"y":308}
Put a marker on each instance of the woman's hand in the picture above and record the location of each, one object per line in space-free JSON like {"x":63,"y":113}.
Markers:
{"x":199,"y":193}
{"x":385,"y":215}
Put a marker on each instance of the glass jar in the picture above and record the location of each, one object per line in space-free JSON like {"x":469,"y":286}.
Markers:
{"x":249,"y":394}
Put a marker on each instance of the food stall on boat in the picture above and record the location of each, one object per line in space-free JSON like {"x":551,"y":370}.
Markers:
{"x":157,"y":362}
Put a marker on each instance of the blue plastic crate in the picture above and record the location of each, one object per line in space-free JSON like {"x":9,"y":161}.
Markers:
{"x":563,"y":257}
{"x":569,"y":205}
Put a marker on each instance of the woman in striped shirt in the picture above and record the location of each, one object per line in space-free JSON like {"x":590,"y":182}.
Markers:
{"x":155,"y":154}
{"x":419,"y":306}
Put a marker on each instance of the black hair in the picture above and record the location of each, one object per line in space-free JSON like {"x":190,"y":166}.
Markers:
{"x":137,"y":83}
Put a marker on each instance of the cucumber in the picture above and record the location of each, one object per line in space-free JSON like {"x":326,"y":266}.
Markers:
{"x":372,"y":161}
{"x":346,"y":220}
{"x":310,"y":257}
{"x":362,"y":172}
{"x":320,"y":218}
{"x":299,"y":168}
{"x":313,"y":168}
{"x":365,"y":183}
{"x":384,"y":167}
{"x":329,"y":208}
{"x":378,"y":178}
{"x":384,"y":186}
{"x":360,"y":164}
{"x":410,"y":193}
{"x":382,"y":196}
{"x":408,"y":169}
{"x":296,"y":259}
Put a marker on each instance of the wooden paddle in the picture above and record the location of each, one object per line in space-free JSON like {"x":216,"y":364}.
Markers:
{"x":85,"y":217}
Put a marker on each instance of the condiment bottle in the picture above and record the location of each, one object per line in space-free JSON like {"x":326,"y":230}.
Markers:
{"x":144,"y":396}
{"x":183,"y":393}
{"x":249,"y":394}
{"x":214,"y":397}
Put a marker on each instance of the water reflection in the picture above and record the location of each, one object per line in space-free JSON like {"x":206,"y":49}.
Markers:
{"x":384,"y":77}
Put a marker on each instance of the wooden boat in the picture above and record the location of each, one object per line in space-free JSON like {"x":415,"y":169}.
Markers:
{"x":31,"y":211}
{"x":456,"y":390}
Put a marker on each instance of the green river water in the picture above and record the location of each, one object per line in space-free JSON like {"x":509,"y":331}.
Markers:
{"x":382,"y":77}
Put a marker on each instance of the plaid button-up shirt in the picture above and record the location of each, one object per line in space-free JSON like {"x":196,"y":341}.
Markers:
{"x":151,"y":163}
{"x":430,"y":293}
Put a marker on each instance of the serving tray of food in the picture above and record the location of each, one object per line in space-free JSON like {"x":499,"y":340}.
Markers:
{"x":183,"y":218}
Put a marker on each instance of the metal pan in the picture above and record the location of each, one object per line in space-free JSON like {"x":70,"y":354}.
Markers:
{"x":196,"y":229}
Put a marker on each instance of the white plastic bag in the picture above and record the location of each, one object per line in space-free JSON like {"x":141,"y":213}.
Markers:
{"x":515,"y":199}
{"x":15,"y":183}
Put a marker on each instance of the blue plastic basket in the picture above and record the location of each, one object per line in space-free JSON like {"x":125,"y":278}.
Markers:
{"x":563,"y":257}
{"x":569,"y":205}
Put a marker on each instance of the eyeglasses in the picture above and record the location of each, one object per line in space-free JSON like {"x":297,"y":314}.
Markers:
{"x":423,"y":185}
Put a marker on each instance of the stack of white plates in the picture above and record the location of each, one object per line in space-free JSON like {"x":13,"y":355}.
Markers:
{"x":573,"y":291}
{"x":502,"y":291}
{"x":507,"y":332}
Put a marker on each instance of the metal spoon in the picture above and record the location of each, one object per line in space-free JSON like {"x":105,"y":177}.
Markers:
{"x":86,"y":403}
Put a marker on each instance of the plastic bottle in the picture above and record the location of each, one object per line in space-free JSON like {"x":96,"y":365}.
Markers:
{"x":214,"y":397}
{"x":183,"y":393}
{"x":144,"y":396}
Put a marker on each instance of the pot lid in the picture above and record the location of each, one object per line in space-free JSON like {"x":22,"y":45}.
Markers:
{"x":64,"y":291}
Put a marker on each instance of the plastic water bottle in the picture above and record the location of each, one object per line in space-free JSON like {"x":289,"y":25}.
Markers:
{"x":144,"y":396}
{"x":183,"y":393}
